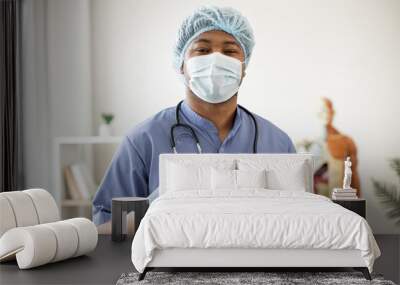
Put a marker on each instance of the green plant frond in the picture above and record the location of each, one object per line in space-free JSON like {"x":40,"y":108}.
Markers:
{"x":395,"y":165}
{"x":385,"y":191}
{"x":389,"y":196}
{"x":393,"y":213}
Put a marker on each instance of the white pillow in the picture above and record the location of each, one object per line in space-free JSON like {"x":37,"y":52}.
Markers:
{"x":289,"y":179}
{"x":188,"y":175}
{"x":182,"y":177}
{"x":223,"y":179}
{"x":281,"y":175}
{"x":251,"y":178}
{"x":237,"y":179}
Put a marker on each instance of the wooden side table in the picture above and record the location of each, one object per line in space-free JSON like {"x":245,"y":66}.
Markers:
{"x":358,"y":206}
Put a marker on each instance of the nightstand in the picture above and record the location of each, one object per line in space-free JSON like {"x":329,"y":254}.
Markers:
{"x":358,"y":206}
{"x":120,"y":207}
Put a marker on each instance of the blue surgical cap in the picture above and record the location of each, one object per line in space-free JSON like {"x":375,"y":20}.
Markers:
{"x":208,"y":18}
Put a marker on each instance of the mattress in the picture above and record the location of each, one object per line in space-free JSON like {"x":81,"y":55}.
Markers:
{"x":250,"y":219}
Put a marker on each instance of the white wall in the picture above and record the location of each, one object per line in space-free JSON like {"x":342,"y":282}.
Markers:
{"x":345,"y":50}
{"x":56,"y":81}
{"x":36,"y":106}
{"x":69,"y":69}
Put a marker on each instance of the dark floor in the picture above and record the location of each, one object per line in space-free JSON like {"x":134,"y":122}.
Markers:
{"x":389,"y":262}
{"x":110,"y":260}
{"x":102,"y":266}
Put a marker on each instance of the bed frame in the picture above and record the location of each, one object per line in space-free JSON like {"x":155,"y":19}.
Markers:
{"x":250,"y":259}
{"x":234,"y":259}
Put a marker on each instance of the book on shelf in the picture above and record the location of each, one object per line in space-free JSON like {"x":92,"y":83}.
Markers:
{"x":345,"y":194}
{"x":71,"y":184}
{"x":80,"y":182}
{"x":341,"y":190}
{"x":344,"y":198}
{"x":336,"y":196}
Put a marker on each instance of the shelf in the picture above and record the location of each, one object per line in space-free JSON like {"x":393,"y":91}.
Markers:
{"x":76,"y":203}
{"x":68,"y":150}
{"x":88,"y":140}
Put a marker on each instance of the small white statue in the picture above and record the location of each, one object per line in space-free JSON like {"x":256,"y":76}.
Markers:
{"x":347,"y":174}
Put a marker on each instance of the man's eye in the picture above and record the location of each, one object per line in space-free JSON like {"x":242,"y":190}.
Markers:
{"x":230,"y":51}
{"x":202,"y":50}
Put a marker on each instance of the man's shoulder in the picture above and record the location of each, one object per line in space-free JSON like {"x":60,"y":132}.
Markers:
{"x":270,"y":128}
{"x":274,"y":137}
{"x":153,"y":124}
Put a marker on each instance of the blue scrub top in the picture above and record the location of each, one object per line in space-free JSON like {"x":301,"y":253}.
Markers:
{"x":133,"y":170}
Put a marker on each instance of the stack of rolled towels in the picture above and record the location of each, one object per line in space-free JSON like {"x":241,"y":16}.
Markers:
{"x":344,"y":194}
{"x":31,"y":231}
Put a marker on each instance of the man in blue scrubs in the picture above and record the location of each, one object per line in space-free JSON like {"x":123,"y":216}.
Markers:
{"x":211,"y":54}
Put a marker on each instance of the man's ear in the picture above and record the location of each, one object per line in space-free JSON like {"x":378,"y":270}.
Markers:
{"x":243,"y":75}
{"x":243,"y":71}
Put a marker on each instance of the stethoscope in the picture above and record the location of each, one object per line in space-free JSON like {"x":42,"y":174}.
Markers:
{"x":186,"y":126}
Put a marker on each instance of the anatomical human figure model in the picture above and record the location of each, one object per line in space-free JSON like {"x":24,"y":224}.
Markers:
{"x":338,"y":147}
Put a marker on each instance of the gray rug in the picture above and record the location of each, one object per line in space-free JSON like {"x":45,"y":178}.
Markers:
{"x":225,"y":278}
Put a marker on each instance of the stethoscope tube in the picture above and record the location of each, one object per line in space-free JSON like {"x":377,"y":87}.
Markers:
{"x":186,"y":126}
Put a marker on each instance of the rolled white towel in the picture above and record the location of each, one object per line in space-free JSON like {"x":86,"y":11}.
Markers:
{"x":24,"y":211}
{"x":67,"y":239}
{"x":32,"y":246}
{"x":45,"y":205}
{"x":40,"y":244}
{"x":7,"y":218}
{"x":87,"y":235}
{"x":26,"y":208}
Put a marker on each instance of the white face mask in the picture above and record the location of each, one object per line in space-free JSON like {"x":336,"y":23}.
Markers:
{"x":215,"y":77}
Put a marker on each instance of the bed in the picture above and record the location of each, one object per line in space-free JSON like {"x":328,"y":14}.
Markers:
{"x":247,"y":211}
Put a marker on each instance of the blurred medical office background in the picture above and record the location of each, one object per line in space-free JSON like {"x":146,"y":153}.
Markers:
{"x":82,"y":60}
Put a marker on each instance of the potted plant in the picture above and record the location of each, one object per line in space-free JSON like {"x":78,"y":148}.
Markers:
{"x":105,"y":127}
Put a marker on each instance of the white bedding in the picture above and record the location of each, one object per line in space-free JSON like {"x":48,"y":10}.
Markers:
{"x":250,"y":218}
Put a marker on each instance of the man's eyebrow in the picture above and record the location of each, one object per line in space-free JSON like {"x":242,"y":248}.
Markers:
{"x":207,"y":41}
{"x":202,"y":40}
{"x":230,"y":43}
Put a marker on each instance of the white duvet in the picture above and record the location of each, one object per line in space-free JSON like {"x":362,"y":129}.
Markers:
{"x":251,"y":218}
